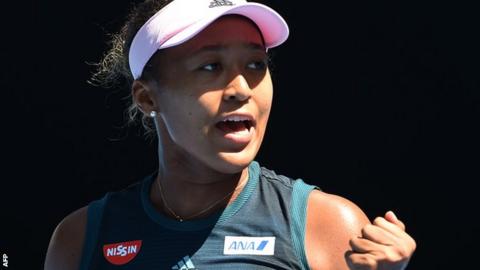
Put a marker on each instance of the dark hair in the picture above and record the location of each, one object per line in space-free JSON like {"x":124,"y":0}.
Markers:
{"x":113,"y":69}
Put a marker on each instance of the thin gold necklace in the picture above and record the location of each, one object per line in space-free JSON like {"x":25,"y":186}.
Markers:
{"x":181,"y":219}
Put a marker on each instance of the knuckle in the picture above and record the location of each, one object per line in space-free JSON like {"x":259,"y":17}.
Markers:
{"x":381,"y":254}
{"x":413,"y":244}
{"x":367,"y":229}
{"x":372,"y":263}
{"x":361,"y":261}
{"x":398,"y":253}
{"x":394,"y":256}
{"x":377,"y":220}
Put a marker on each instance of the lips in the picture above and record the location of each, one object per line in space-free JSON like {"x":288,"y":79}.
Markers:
{"x":235,"y":123}
{"x":237,"y":128}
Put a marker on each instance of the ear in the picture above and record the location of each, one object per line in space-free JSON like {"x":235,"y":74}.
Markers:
{"x":144,"y":96}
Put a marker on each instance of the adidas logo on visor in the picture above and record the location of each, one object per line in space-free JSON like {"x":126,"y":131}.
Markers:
{"x":220,"y":3}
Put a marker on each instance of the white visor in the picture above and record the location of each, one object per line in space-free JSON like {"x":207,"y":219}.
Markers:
{"x":181,"y":20}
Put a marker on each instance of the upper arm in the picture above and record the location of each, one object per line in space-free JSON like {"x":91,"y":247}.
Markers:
{"x":66,"y":243}
{"x":331,"y":222}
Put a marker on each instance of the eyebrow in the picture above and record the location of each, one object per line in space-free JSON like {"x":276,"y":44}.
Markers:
{"x":217,"y":48}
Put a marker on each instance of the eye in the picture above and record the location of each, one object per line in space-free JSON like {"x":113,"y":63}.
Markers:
{"x":257,"y":65}
{"x":210,"y":67}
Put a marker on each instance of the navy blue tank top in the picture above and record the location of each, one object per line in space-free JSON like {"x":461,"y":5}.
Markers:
{"x":263,"y":228}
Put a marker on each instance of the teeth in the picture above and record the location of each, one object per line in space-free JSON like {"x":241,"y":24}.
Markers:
{"x":236,"y":118}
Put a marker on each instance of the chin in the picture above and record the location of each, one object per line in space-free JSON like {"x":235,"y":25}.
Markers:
{"x":231,"y":163}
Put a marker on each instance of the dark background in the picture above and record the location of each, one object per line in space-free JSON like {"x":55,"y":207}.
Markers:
{"x":377,"y":102}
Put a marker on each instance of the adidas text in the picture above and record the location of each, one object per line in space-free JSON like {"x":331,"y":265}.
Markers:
{"x":220,"y":3}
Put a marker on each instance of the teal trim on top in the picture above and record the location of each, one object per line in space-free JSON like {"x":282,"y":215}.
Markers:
{"x":94,"y":218}
{"x":299,"y":215}
{"x":210,"y":221}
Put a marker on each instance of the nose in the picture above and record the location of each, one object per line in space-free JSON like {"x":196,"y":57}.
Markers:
{"x":237,"y":89}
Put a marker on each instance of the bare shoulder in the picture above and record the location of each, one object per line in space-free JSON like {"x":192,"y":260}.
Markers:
{"x":331,"y":222}
{"x":66,"y":243}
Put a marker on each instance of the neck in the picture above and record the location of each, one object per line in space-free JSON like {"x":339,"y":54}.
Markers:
{"x":190,"y":187}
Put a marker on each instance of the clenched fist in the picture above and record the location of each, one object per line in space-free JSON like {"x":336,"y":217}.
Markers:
{"x":383,"y":245}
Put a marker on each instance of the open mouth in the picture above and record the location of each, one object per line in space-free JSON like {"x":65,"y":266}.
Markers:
{"x":235,"y":124}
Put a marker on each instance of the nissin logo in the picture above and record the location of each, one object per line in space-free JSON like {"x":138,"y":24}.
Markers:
{"x":121,"y":253}
{"x":245,"y":245}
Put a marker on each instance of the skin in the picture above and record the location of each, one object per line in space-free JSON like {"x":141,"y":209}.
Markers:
{"x":197,"y":84}
{"x":220,"y":73}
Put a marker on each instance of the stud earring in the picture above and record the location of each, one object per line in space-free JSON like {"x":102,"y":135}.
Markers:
{"x":153,"y":114}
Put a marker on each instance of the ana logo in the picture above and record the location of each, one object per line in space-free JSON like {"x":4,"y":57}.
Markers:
{"x":243,"y":245}
{"x":220,"y":3}
{"x":121,"y":253}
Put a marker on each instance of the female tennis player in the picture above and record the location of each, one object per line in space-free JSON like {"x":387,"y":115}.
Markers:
{"x":200,"y":80}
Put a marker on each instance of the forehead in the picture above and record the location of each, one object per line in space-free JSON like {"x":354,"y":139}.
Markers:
{"x":225,"y":31}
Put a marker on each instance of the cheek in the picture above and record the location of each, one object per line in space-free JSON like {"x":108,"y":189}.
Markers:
{"x":264,"y":101}
{"x":266,"y":106}
{"x":186,"y":116}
